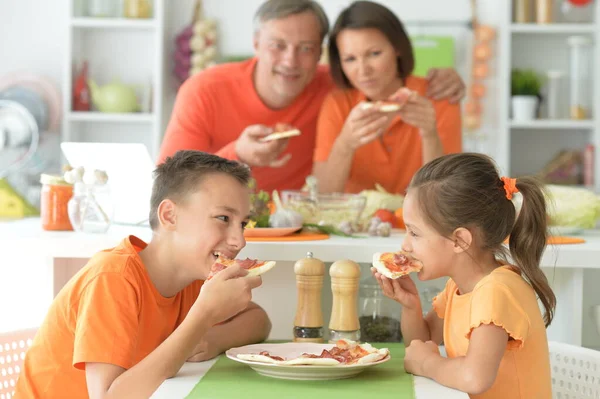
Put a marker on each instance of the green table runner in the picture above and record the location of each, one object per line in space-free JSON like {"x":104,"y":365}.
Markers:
{"x":229,"y":379}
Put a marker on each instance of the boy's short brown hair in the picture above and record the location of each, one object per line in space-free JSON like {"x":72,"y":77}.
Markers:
{"x":180,"y":174}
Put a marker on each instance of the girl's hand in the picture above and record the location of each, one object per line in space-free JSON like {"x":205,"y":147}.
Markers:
{"x":419,"y":112}
{"x":416,"y":355}
{"x":363,"y":126}
{"x":401,"y":290}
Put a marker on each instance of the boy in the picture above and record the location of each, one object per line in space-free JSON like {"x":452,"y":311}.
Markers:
{"x":135,"y":313}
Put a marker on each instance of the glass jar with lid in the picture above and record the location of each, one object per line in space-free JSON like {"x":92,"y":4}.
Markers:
{"x":137,"y":9}
{"x":379,"y":316}
{"x":89,"y":208}
{"x":55,"y":196}
{"x":577,"y":11}
{"x":580,"y":76}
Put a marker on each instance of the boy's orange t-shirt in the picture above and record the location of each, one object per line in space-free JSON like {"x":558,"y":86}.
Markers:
{"x":109,"y":312}
{"x":214,"y":107}
{"x":505,"y":299}
{"x":393,"y":160}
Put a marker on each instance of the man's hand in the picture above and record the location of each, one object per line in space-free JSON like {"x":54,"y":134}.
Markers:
{"x":445,"y":83}
{"x":252,"y":151}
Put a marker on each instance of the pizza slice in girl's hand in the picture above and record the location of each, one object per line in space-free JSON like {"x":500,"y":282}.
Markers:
{"x":282,"y":131}
{"x":254,"y":267}
{"x":395,"y":264}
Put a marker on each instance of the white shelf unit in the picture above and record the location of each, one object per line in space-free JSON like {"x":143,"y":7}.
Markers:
{"x":125,"y":49}
{"x":526,"y":147}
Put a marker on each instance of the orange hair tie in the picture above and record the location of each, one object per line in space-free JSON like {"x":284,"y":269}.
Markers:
{"x":510,"y":186}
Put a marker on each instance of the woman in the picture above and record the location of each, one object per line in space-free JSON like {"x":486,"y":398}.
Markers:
{"x":357,"y":146}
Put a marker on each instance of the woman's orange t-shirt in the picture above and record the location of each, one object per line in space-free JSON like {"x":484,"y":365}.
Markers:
{"x":109,"y":312}
{"x":505,"y":299}
{"x":392,"y":161}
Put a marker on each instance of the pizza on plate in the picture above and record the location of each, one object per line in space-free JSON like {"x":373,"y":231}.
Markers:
{"x":254,"y":267}
{"x":344,"y":352}
{"x":395,"y":264}
{"x":282,"y":131}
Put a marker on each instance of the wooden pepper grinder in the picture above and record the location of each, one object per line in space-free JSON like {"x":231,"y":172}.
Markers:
{"x":345,"y":277}
{"x":308,"y":324}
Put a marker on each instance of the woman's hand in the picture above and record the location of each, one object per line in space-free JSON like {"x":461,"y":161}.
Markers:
{"x":402,"y":290}
{"x":363,"y":126}
{"x":419,"y":112}
{"x":417,"y":354}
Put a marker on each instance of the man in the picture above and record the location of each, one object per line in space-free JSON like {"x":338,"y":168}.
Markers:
{"x":228,"y":109}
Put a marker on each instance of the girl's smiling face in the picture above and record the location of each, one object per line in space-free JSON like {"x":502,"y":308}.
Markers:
{"x":422,"y":241}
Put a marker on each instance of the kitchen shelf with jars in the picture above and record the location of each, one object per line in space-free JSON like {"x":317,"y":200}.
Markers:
{"x":114,"y":72}
{"x":550,"y":90}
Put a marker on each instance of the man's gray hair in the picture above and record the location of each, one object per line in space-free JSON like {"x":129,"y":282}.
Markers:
{"x":276,"y":9}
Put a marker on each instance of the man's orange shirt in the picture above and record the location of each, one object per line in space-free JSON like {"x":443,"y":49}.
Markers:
{"x":392,"y":161}
{"x":215,"y":106}
{"x":110,"y":312}
{"x":505,"y":299}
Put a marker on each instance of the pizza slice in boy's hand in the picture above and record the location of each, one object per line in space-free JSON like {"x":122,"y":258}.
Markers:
{"x":254,"y":267}
{"x":282,"y":131}
{"x":395,"y":264}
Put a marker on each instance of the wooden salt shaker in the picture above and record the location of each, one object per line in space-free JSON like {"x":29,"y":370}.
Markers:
{"x":308,"y":324}
{"x":345,"y":277}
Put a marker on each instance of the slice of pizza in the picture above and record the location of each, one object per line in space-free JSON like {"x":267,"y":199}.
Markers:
{"x":345,"y":352}
{"x":395,"y":264}
{"x":262,"y":357}
{"x":395,"y":102}
{"x":254,"y":267}
{"x":281,"y":131}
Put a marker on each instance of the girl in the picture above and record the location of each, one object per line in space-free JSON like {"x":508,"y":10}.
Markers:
{"x":458,"y":212}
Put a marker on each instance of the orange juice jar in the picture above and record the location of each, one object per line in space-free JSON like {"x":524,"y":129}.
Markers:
{"x":56,"y":193}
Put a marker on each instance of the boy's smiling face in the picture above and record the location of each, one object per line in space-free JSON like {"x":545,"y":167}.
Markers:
{"x":210,"y":220}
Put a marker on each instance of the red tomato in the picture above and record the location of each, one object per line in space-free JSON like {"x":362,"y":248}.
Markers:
{"x":387,"y":216}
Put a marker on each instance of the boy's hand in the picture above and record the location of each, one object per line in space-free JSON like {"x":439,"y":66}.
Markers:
{"x":226,"y":294}
{"x":401,"y":289}
{"x":417,"y":354}
{"x":204,"y":351}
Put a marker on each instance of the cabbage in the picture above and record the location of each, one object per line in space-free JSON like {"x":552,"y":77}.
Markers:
{"x":572,"y":206}
{"x":380,"y":199}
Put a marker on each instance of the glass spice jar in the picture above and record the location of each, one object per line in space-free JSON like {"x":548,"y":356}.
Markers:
{"x":379,"y":316}
{"x":55,"y":196}
{"x":138,"y":9}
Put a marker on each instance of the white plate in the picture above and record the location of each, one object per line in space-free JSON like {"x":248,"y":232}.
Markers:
{"x":295,"y":349}
{"x":565,"y":230}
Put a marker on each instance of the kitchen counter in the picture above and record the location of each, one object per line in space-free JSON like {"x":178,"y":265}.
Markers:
{"x":66,"y":252}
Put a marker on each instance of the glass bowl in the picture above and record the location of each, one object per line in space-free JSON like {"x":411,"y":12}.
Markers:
{"x":328,"y":209}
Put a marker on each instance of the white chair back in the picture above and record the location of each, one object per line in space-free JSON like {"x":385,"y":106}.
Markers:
{"x":575,"y":371}
{"x":13,"y":346}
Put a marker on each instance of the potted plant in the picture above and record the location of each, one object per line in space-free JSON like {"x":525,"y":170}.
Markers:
{"x":525,"y":89}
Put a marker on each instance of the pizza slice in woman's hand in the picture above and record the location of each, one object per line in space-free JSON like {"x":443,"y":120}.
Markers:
{"x":395,"y":264}
{"x":254,"y":267}
{"x":394,"y":103}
